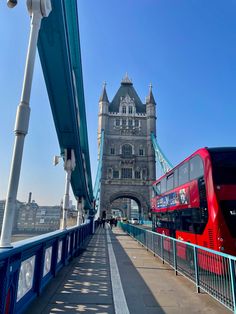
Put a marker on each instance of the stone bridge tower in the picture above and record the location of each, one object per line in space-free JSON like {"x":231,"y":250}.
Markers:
{"x":128,"y":161}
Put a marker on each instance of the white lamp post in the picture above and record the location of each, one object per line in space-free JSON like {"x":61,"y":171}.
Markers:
{"x":69,"y":166}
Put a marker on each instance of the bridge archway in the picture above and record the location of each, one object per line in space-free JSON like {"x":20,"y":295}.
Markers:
{"x":139,"y":199}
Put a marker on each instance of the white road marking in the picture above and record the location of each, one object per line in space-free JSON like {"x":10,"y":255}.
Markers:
{"x":120,"y":303}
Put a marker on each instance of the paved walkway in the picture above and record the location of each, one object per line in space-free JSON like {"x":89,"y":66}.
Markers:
{"x":93,"y":283}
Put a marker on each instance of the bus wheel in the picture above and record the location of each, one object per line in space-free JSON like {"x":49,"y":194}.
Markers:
{"x":190,"y":257}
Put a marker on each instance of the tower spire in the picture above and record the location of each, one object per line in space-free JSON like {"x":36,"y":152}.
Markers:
{"x":150,"y":98}
{"x":103,"y":96}
{"x":126,"y":80}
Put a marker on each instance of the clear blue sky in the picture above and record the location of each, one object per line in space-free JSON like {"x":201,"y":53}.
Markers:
{"x":186,"y":48}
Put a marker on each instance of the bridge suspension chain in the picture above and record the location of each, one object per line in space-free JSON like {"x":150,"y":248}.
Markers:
{"x":164,"y":162}
{"x":97,"y":185}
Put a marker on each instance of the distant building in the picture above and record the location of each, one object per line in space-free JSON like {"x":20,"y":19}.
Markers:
{"x":2,"y":207}
{"x":27,"y":217}
{"x":47,"y":218}
{"x":32,"y":218}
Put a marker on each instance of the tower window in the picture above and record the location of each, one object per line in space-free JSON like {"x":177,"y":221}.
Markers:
{"x":130,"y":109}
{"x":137,"y":174}
{"x":112,"y":150}
{"x":126,"y":173}
{"x":136,"y":123}
{"x":115,"y":174}
{"x":127,"y":150}
{"x":123,"y":109}
{"x":130,"y":122}
{"x":117,"y":122}
{"x":123,"y":122}
{"x":109,"y":173}
{"x":141,"y":153}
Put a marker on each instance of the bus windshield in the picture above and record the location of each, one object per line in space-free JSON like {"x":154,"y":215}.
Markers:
{"x":223,"y":166}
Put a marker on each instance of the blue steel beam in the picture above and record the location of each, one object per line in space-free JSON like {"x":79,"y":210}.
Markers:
{"x":60,"y":56}
{"x":164,"y":162}
{"x":97,"y":185}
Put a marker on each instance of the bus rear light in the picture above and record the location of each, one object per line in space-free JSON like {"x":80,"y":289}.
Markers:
{"x":218,"y":187}
{"x":221,"y":248}
{"x":221,"y":239}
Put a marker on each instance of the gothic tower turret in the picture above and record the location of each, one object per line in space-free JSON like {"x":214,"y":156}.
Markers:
{"x":103,"y":113}
{"x":151,"y":112}
{"x":151,"y":128}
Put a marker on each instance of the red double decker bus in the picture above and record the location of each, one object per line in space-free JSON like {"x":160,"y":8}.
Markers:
{"x":196,"y":201}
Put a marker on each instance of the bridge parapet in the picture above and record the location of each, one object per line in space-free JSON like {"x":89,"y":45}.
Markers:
{"x":28,"y":267}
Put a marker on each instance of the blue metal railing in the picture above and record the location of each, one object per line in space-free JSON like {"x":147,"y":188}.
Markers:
{"x":28,"y":267}
{"x":211,"y":271}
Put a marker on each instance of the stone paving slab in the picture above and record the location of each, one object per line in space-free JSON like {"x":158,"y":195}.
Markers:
{"x":80,"y":308}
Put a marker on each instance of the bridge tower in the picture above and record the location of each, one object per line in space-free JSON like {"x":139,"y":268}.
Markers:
{"x":128,"y":161}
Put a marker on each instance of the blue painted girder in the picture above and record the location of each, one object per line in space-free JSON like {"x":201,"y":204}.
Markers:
{"x":60,"y":56}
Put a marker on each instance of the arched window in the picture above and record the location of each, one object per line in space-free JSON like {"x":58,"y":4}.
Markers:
{"x":127,"y":150}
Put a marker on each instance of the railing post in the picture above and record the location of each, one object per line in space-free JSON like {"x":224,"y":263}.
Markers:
{"x":233,"y":282}
{"x":162,"y":249}
{"x":196,"y":269}
{"x":175,"y":257}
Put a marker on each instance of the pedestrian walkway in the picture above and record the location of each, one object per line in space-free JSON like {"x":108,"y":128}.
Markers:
{"x":116,"y":275}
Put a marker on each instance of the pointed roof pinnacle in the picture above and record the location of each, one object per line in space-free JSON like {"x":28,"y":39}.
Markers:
{"x":103,"y":96}
{"x":150,"y":98}
{"x":126,"y":80}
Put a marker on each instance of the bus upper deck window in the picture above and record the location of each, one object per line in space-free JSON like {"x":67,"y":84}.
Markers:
{"x":170,"y":182}
{"x":183,"y":173}
{"x":176,"y":178}
{"x":196,"y":167}
{"x":163,"y":185}
{"x":158,"y":188}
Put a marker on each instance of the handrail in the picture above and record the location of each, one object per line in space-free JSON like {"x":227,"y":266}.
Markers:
{"x":211,"y":271}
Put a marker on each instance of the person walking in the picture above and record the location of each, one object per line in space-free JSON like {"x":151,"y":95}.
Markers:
{"x":111,"y":222}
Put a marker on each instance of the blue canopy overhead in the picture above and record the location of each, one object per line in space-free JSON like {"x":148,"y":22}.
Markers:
{"x":60,"y":56}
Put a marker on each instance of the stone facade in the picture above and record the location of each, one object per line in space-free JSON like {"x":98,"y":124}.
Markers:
{"x":128,"y":161}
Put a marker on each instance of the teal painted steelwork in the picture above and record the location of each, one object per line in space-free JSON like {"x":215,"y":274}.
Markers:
{"x":60,"y":56}
{"x":164,"y":162}
{"x":97,"y":185}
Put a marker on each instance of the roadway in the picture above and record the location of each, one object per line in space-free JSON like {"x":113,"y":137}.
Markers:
{"x":115,"y":274}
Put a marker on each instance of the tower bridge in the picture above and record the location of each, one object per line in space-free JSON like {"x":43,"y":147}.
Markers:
{"x":87,"y":268}
{"x":128,"y":160}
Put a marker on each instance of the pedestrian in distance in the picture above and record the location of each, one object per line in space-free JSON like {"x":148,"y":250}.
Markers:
{"x":112,"y":222}
{"x":103,"y":222}
{"x":99,"y":222}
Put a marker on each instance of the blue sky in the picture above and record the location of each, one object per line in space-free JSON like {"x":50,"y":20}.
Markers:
{"x":186,"y":48}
